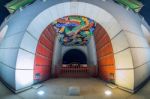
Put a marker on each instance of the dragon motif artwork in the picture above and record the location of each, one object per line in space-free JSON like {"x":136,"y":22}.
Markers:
{"x":74,"y":30}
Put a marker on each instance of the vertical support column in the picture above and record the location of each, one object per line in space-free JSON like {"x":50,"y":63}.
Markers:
{"x":56,"y":55}
{"x":92,"y":60}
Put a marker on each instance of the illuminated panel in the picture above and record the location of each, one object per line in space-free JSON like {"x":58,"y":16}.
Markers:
{"x":16,"y":4}
{"x":105,"y":54}
{"x":132,"y":4}
{"x":3,"y":32}
{"x":44,"y":53}
{"x":74,"y":30}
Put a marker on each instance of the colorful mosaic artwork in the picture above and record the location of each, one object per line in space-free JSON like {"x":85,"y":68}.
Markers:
{"x":74,"y":30}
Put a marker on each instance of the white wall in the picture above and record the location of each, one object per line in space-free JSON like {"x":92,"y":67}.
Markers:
{"x":91,"y":49}
{"x":56,"y":55}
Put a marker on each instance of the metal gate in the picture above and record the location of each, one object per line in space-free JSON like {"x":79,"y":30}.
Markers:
{"x":75,"y":71}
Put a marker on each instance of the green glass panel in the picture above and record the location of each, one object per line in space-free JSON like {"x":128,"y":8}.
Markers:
{"x":16,"y":4}
{"x":132,"y":4}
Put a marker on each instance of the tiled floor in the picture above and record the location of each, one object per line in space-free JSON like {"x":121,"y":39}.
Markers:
{"x":90,"y":89}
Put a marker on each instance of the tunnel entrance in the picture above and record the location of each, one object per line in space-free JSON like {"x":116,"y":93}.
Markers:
{"x":74,"y":56}
{"x":72,"y":31}
{"x":74,"y":65}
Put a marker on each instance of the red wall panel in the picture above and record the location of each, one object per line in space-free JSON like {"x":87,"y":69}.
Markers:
{"x":49,"y":36}
{"x":102,"y":41}
{"x":105,"y":55}
{"x":45,"y":42}
{"x":41,"y":60}
{"x":101,"y":33}
{"x":105,"y":50}
{"x":106,"y":60}
{"x":42,"y":50}
{"x":44,"y":54}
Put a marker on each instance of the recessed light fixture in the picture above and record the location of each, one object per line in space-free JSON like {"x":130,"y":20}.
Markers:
{"x":108,"y":92}
{"x":40,"y":92}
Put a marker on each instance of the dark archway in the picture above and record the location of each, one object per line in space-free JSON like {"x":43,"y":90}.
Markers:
{"x":74,"y":56}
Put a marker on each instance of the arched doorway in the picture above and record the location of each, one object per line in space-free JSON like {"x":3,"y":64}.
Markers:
{"x":79,"y":29}
{"x":74,"y":56}
{"x":74,"y":65}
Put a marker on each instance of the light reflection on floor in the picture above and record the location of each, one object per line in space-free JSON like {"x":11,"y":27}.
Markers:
{"x":90,"y":89}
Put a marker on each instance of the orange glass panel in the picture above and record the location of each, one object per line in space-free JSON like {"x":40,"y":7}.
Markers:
{"x":105,"y":55}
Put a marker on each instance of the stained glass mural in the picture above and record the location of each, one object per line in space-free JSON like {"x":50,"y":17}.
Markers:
{"x":74,"y":30}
